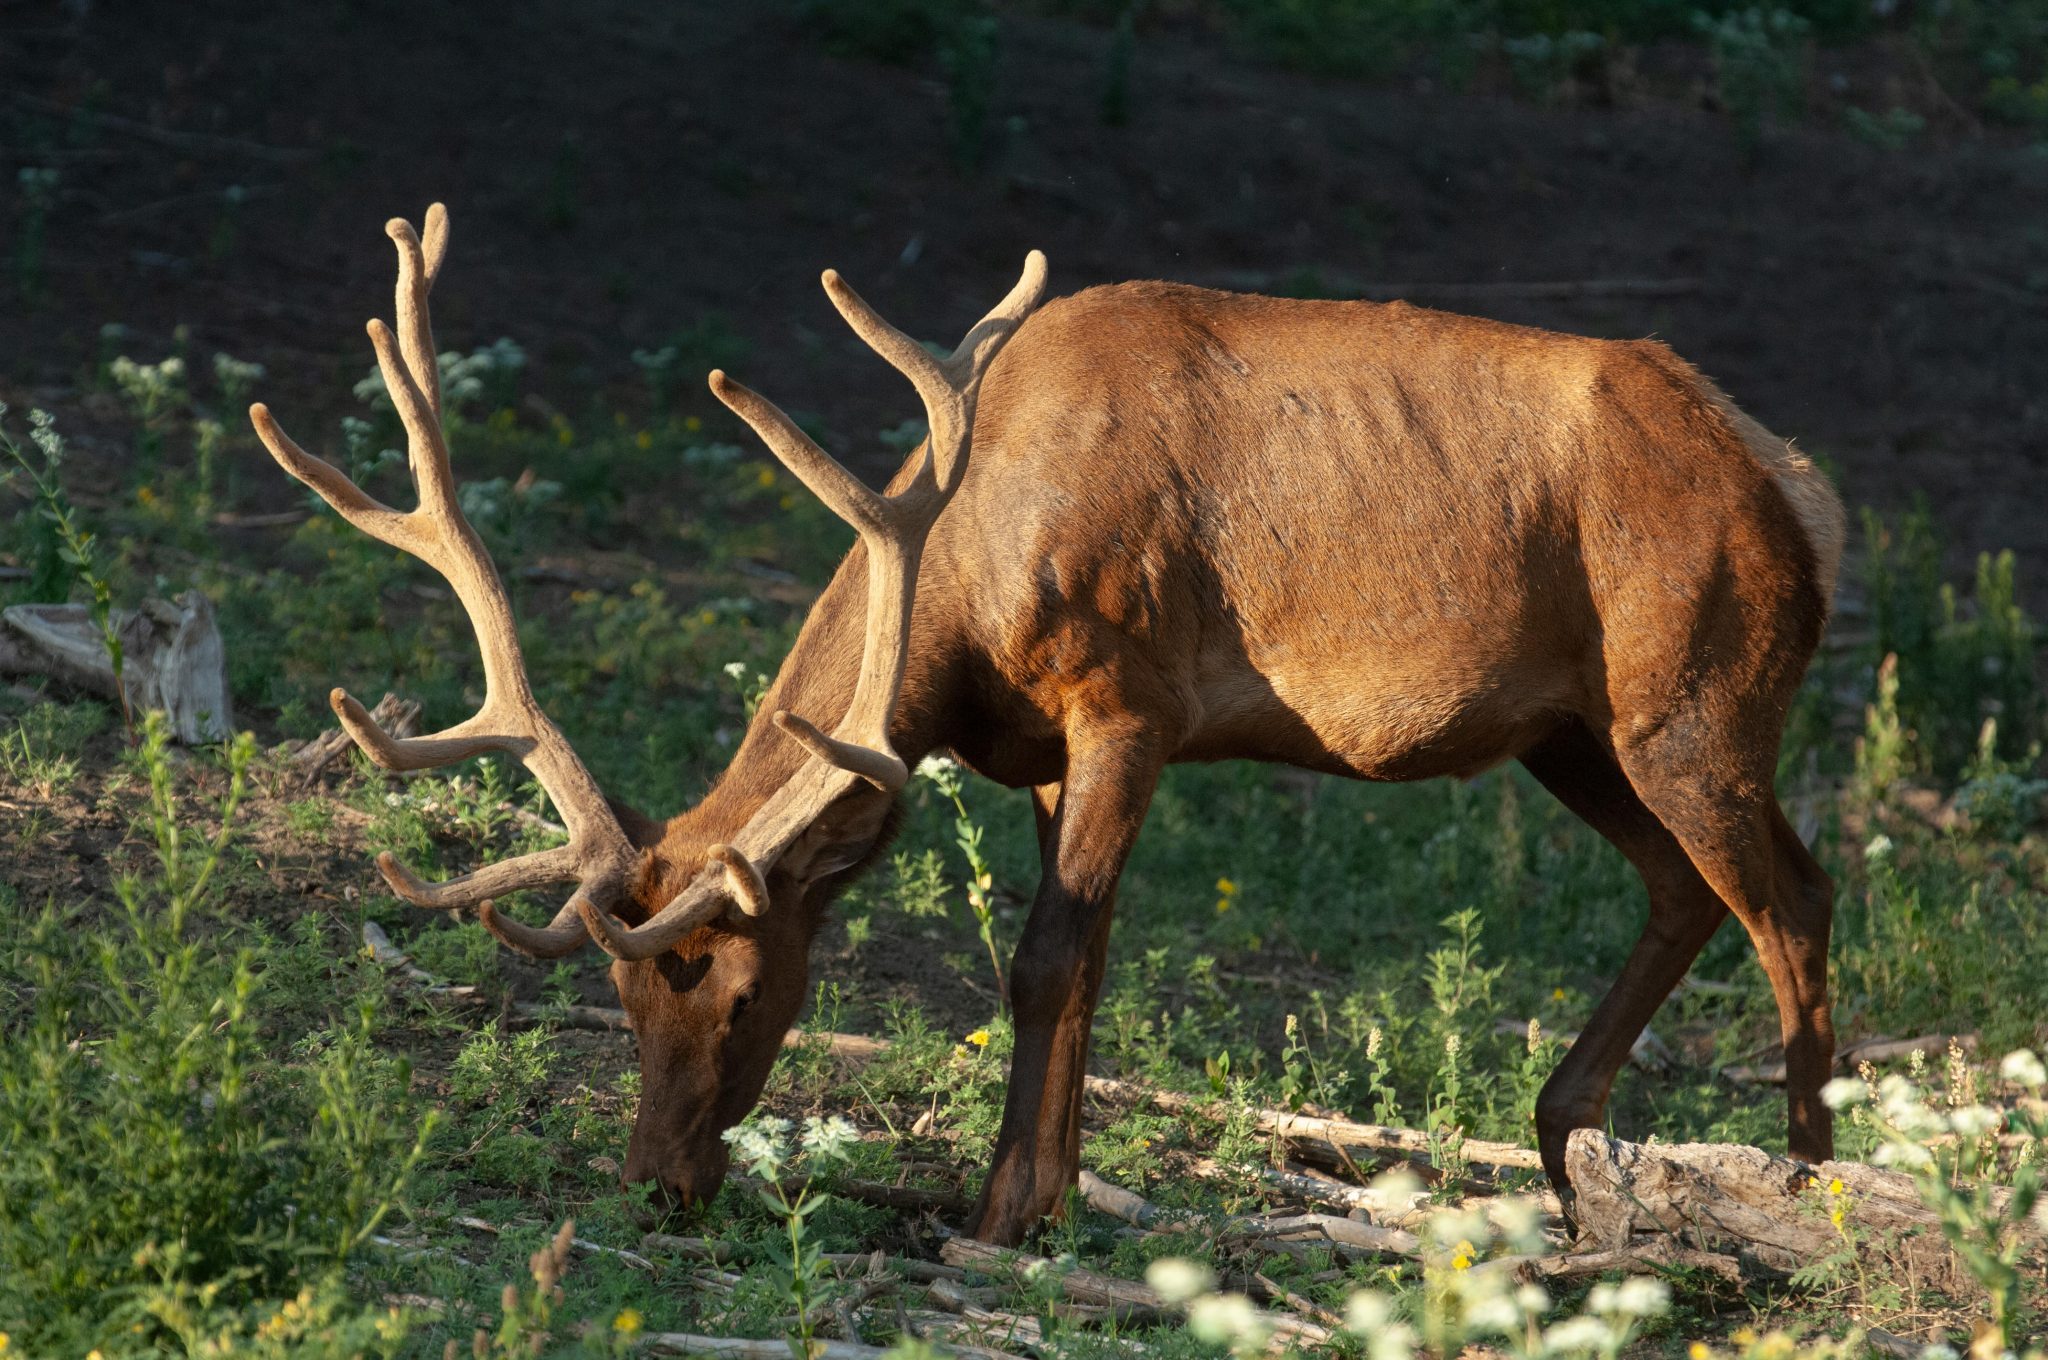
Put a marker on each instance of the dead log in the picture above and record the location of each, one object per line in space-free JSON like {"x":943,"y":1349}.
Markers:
{"x":1654,"y":1257}
{"x":172,"y":659}
{"x":1129,"y":1300}
{"x":1340,"y":1135}
{"x":1342,"y":1232}
{"x":750,"y":1348}
{"x":1771,"y":1212}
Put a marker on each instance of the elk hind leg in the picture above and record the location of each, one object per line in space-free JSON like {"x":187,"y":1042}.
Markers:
{"x":1579,"y":770}
{"x":1715,"y":796}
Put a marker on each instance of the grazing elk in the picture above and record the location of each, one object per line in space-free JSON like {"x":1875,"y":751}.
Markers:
{"x":1367,"y":540}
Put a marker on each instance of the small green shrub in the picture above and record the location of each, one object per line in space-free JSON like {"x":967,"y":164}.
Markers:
{"x":156,"y":1166}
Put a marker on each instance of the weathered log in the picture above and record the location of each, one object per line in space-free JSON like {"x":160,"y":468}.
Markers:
{"x":1342,"y":1135}
{"x":172,"y":659}
{"x":750,"y":1348}
{"x":1342,"y":1232}
{"x":1130,"y":1300}
{"x":1770,"y":1211}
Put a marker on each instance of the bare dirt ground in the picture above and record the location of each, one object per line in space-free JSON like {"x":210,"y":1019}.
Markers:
{"x":617,"y":172}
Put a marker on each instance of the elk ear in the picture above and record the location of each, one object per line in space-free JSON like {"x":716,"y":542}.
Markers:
{"x":843,"y":838}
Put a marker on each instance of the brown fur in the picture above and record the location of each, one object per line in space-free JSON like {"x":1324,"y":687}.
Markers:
{"x":1375,"y":541}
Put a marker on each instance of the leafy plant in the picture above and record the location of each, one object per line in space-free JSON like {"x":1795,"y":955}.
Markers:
{"x":75,"y":548}
{"x":151,"y":1154}
{"x":761,"y":1144}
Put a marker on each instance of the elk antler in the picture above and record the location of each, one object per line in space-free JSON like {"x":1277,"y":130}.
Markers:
{"x":894,"y":529}
{"x":598,"y":857}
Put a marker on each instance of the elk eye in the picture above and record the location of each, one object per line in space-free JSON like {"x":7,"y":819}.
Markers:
{"x":744,"y":999}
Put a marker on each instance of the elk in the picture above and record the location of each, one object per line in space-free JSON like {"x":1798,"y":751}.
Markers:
{"x":1155,"y":523}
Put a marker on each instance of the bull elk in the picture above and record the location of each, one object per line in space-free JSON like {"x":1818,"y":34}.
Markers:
{"x":1367,"y":540}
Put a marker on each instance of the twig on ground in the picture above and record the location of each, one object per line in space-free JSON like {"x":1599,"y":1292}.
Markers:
{"x":750,"y":1348}
{"x":1130,"y":1300}
{"x":1338,"y":1134}
{"x":1281,"y":1294}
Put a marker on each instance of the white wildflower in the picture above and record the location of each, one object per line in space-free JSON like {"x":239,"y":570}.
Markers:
{"x":936,"y":767}
{"x":1496,"y":1314}
{"x":759,"y":1144}
{"x":1877,"y":848}
{"x":1177,"y":1279}
{"x":2022,"y":1068}
{"x":1843,"y":1092}
{"x":1583,"y":1333}
{"x":828,"y":1139}
{"x":1640,"y":1296}
{"x":1227,"y":1320}
{"x":1974,"y":1121}
{"x":735,"y":669}
{"x":1371,"y":1315}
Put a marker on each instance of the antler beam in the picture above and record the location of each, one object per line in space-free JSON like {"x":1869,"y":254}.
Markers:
{"x":598,"y":857}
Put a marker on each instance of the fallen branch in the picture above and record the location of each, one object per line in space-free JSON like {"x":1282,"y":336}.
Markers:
{"x":1650,"y":1258}
{"x":581,"y":1245}
{"x":1127,"y":1299}
{"x":751,"y":1348}
{"x":1340,"y":1135}
{"x":169,"y":137}
{"x":1343,"y":1232}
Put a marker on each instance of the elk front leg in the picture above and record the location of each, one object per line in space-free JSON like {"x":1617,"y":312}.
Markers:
{"x":1086,"y":828}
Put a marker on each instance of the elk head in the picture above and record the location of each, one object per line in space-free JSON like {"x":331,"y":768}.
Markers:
{"x":708,"y":927}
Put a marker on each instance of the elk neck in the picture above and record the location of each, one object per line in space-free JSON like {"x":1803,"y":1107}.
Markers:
{"x":816,"y":681}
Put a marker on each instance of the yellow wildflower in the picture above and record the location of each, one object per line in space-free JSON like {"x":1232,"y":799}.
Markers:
{"x":564,"y":435}
{"x":766,"y":476}
{"x":1557,"y":993}
{"x":145,"y":496}
{"x":643,"y":440}
{"x":1835,"y":1186}
{"x":1743,"y":1336}
{"x":1228,"y":889}
{"x":692,"y":424}
{"x":627,"y":1322}
{"x":1461,"y":1256}
{"x":1698,"y":1350}
{"x":3,"y":1343}
{"x":979,"y":1038}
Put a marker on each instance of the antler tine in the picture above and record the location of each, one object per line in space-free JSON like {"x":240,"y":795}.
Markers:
{"x":598,"y":856}
{"x":827,"y":478}
{"x":949,"y":386}
{"x":699,"y":904}
{"x":557,"y":939}
{"x":415,"y":324}
{"x":883,"y":769}
{"x":331,"y":484}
